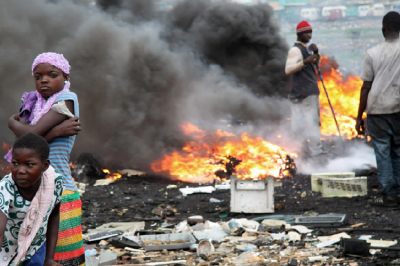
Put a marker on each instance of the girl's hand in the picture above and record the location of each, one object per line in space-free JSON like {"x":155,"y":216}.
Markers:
{"x":51,"y":262}
{"x":68,"y":128}
{"x":15,"y":117}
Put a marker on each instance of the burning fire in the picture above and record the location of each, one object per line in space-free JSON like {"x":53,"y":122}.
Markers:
{"x":5,"y":166}
{"x":344,"y":95}
{"x":213,"y":155}
{"x":110,"y":175}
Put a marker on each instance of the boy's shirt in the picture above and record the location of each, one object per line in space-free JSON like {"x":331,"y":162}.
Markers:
{"x":15,"y":207}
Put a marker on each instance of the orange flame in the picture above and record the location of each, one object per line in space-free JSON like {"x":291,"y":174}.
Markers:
{"x":208,"y":153}
{"x":345,"y":97}
{"x":6,"y":147}
{"x":111,"y":175}
{"x":4,"y":165}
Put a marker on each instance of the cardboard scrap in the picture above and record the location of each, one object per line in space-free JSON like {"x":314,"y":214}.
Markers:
{"x":381,"y":243}
{"x":338,"y":236}
{"x":131,"y":172}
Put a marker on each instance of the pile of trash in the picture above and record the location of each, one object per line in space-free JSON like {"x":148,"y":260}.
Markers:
{"x":269,"y":240}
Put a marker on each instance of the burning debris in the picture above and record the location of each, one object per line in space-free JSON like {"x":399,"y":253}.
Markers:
{"x":212,"y":155}
{"x":344,"y":94}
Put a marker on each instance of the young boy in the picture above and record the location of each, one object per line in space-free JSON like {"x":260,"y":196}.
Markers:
{"x":30,"y":205}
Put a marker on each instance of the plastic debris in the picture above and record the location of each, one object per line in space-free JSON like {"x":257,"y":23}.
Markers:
{"x":214,"y":200}
{"x":192,"y":190}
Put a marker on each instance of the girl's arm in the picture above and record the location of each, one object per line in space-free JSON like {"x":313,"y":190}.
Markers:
{"x":67,"y":128}
{"x":51,"y":236}
{"x":43,"y":126}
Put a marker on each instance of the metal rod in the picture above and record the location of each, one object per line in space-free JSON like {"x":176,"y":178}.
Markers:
{"x":329,"y":101}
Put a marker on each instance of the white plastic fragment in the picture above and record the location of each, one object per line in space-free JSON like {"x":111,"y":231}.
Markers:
{"x":293,"y":236}
{"x":328,"y":243}
{"x":192,"y":190}
{"x":381,"y":243}
{"x":279,"y":236}
{"x":299,"y":228}
{"x":183,"y":227}
{"x":339,"y":236}
{"x":316,"y":258}
{"x":273,"y":222}
{"x":248,"y":225}
{"x":224,"y":185}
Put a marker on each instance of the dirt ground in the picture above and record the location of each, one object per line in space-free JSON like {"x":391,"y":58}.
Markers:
{"x":133,"y":199}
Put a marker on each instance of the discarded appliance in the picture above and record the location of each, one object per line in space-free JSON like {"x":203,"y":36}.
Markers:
{"x":344,"y":187}
{"x":324,"y":220}
{"x":317,"y":186}
{"x":252,"y":196}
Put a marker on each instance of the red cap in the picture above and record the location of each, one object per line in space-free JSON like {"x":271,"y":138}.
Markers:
{"x":303,"y":26}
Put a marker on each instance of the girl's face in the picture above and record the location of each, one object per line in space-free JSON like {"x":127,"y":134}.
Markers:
{"x":48,"y":79}
{"x":27,"y":167}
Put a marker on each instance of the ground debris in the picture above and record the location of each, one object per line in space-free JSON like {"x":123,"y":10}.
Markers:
{"x":261,"y":242}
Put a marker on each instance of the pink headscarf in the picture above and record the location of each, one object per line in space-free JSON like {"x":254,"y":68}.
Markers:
{"x":42,"y":106}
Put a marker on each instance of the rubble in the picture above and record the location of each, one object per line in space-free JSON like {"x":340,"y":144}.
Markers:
{"x":237,"y":239}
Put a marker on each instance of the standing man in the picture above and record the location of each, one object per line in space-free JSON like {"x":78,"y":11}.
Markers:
{"x":304,"y":93}
{"x":380,"y":99}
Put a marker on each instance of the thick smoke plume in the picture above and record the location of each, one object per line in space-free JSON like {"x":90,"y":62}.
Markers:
{"x":140,"y":73}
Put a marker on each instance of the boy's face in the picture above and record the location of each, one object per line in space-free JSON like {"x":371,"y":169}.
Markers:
{"x":48,"y":79}
{"x":27,"y":167}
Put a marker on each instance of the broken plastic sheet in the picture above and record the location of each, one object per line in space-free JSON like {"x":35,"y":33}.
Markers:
{"x":279,"y":236}
{"x":294,"y":236}
{"x":183,"y":227}
{"x":215,"y":233}
{"x":248,"y":225}
{"x":192,"y":190}
{"x":381,"y":243}
{"x":327,"y":243}
{"x":299,"y":228}
{"x":104,"y":182}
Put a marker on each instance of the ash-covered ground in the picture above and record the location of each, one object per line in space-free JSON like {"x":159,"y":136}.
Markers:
{"x":138,"y":198}
{"x":134,"y":198}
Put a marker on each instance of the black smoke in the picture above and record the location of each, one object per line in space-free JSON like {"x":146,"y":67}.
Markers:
{"x":140,"y":72}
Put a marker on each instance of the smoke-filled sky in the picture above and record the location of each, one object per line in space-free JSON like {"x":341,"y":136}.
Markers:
{"x":140,"y":73}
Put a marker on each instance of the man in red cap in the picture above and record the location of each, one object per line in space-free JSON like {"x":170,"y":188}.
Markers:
{"x":304,"y":93}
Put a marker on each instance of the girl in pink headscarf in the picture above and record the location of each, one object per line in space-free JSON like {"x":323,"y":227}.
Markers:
{"x":52,"y":112}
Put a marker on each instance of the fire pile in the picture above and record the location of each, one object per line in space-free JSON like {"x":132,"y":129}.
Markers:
{"x":344,"y":94}
{"x":217,"y":155}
